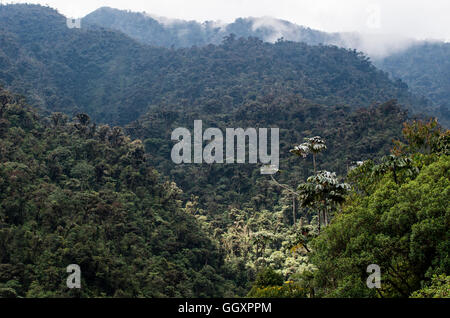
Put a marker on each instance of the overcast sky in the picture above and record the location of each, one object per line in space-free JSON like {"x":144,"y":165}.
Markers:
{"x":412,"y":18}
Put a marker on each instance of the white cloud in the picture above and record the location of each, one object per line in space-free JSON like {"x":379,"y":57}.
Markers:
{"x":409,"y":18}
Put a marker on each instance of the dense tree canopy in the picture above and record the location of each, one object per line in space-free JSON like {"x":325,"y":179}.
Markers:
{"x":399,"y":223}
{"x":72,"y":192}
{"x":425,"y":68}
{"x":116,"y":80}
{"x":423,"y":65}
{"x":86,"y":178}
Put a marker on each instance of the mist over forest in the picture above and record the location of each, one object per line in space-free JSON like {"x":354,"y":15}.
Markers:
{"x":87,"y":175}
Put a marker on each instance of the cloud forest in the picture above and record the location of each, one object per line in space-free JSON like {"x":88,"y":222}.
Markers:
{"x":318,"y":171}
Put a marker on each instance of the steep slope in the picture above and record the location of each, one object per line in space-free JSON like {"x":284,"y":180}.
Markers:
{"x":71,"y":70}
{"x":425,"y":68}
{"x":299,"y":88}
{"x":75,"y":193}
{"x":180,"y":33}
{"x":350,"y":136}
{"x":116,"y":79}
{"x":165,"y":32}
{"x":422,"y":65}
{"x":72,"y":192}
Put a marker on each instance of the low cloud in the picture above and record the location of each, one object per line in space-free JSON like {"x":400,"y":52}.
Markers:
{"x":375,"y":45}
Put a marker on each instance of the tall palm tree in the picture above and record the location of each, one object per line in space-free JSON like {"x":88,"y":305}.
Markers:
{"x":322,"y":191}
{"x":395,"y":164}
{"x":313,"y":146}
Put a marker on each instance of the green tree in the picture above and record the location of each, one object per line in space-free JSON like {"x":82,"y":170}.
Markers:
{"x":313,"y":145}
{"x":322,"y":192}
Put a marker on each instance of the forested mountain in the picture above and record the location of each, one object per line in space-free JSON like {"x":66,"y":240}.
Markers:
{"x":422,"y":65}
{"x":72,"y":192}
{"x":351,"y":136}
{"x":71,"y":70}
{"x":180,"y":33}
{"x":425,"y":68}
{"x":244,"y":83}
{"x":116,"y":79}
{"x":75,"y":190}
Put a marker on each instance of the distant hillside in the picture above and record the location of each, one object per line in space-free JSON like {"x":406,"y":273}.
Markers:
{"x":166,"y":32}
{"x":179,"y":33}
{"x":426,"y":70}
{"x":103,"y":73}
{"x":423,"y":66}
{"x":116,"y":80}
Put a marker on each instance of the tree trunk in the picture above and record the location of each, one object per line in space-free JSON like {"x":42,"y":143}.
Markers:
{"x":293,"y":209}
{"x":395,"y":175}
{"x":319,"y":220}
{"x":325,"y":217}
{"x":314,"y":163}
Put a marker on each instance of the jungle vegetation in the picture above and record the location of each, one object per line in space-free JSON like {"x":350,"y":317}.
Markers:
{"x":86,"y":176}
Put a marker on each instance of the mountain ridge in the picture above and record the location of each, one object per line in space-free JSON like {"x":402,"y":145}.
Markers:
{"x":383,"y":49}
{"x":75,"y":190}
{"x":116,"y":79}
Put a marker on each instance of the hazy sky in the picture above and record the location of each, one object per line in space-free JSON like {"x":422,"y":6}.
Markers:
{"x":412,"y":18}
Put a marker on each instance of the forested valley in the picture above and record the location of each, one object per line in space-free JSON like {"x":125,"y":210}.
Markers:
{"x":86,"y":175}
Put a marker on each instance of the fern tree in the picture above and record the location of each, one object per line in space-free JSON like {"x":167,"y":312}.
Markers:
{"x":323,"y":192}
{"x":313,"y":146}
